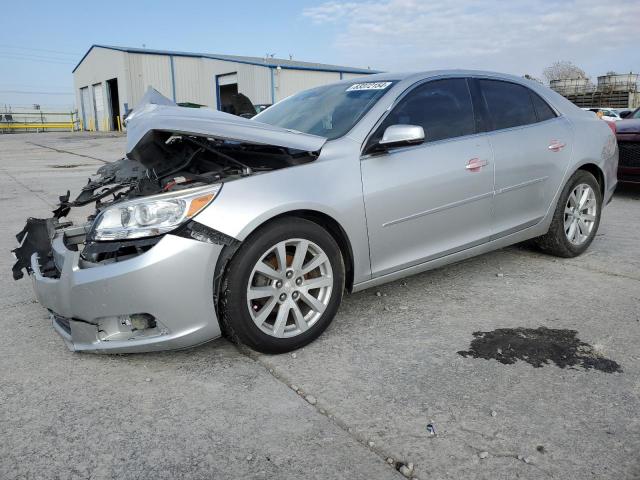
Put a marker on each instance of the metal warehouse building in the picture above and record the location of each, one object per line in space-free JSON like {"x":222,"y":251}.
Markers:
{"x":109,"y":81}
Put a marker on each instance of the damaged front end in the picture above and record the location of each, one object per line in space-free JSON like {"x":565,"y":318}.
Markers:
{"x":134,"y":276}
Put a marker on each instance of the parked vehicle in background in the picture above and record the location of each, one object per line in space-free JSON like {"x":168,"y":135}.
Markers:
{"x":628,"y":135}
{"x":608,"y":114}
{"x":623,"y":112}
{"x":214,"y":223}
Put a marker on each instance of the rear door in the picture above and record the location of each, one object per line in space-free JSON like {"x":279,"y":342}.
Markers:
{"x":426,"y":201}
{"x":532,"y":149}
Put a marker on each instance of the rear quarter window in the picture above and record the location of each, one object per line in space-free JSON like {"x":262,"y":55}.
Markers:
{"x":543,"y":110}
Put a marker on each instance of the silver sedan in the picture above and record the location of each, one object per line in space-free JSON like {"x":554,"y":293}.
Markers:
{"x":216,"y":224}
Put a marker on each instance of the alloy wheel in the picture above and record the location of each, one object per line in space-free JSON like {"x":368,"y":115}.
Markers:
{"x":580,"y":214}
{"x":289,"y":288}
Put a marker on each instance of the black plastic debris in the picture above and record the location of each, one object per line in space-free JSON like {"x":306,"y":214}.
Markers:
{"x":538,"y":347}
{"x":64,"y":207}
{"x":35,"y":237}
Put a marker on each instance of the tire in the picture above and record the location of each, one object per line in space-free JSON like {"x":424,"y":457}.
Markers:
{"x":558,"y":240}
{"x":257,"y":301}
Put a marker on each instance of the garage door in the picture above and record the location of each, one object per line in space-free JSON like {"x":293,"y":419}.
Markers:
{"x":98,"y":102}
{"x":85,"y":100}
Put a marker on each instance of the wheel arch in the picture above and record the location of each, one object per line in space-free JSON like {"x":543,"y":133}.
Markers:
{"x":597,"y":172}
{"x":330,"y":224}
{"x":333,"y":227}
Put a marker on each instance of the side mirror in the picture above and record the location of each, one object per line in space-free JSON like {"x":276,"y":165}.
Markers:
{"x":399,"y":135}
{"x":625,"y":114}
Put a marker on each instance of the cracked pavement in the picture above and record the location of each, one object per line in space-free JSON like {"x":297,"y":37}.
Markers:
{"x":385,"y":368}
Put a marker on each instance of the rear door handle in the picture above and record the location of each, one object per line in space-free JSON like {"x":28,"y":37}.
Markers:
{"x":556,"y":146}
{"x":475,"y":164}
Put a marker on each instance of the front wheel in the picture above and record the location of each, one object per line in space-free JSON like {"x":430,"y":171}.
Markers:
{"x":576,"y":219}
{"x":283,"y":286}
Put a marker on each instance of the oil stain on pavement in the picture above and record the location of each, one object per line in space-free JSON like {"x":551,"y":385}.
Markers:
{"x":538,"y":347}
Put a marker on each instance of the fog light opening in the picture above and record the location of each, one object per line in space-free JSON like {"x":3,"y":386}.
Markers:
{"x":134,"y":326}
{"x":142,"y":321}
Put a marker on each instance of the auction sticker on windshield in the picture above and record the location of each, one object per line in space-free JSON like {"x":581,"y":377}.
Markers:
{"x":368,"y":86}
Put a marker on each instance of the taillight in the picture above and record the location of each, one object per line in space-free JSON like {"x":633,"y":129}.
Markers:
{"x":612,"y":126}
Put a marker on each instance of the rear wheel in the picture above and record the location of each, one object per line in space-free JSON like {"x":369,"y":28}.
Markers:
{"x":283,"y":286}
{"x":576,"y":219}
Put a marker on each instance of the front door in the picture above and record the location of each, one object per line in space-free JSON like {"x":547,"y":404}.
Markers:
{"x":426,"y":201}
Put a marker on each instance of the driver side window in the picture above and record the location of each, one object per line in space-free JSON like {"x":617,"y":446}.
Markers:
{"x":442,"y":108}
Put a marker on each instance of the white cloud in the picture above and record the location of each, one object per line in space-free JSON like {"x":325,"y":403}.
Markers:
{"x":520,"y":36}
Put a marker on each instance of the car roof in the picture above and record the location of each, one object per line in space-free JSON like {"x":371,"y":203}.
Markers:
{"x":416,"y":75}
{"x":405,"y":79}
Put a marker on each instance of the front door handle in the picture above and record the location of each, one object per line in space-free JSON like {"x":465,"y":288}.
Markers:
{"x":556,"y":146}
{"x":475,"y":164}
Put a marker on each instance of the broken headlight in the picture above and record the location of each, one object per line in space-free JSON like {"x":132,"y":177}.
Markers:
{"x":149,"y":216}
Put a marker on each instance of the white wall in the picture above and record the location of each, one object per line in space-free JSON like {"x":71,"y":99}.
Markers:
{"x":288,"y":82}
{"x":349,"y":76}
{"x":148,"y":70}
{"x":189,"y":78}
{"x":254,"y":81}
{"x":195,"y":78}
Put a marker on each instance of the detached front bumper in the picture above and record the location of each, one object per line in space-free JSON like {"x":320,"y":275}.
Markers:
{"x":92,"y":306}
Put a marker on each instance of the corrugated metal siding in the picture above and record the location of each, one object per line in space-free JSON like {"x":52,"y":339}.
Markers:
{"x":349,"y":76}
{"x":189,"y":80}
{"x":194,"y":77}
{"x":255,"y":83}
{"x":288,"y":82}
{"x":211,"y":68}
{"x":148,"y":70}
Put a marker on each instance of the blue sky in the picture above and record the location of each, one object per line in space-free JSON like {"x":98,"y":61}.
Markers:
{"x":40,"y":42}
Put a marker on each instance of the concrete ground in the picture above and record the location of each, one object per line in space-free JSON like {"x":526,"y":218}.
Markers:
{"x":386,"y":368}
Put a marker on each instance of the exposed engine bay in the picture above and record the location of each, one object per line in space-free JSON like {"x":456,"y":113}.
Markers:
{"x":162,"y":161}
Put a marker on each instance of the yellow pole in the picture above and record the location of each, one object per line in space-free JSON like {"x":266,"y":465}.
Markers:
{"x":119,"y":124}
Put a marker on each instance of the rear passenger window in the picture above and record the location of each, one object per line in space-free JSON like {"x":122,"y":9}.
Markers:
{"x":543,"y":110}
{"x":509,"y":104}
{"x":442,"y":107}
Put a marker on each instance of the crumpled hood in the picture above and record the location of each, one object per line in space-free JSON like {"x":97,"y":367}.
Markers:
{"x":628,"y":126}
{"x":157,"y":112}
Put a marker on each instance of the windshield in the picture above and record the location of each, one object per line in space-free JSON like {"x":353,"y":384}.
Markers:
{"x":635,"y":114}
{"x":329,"y":111}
